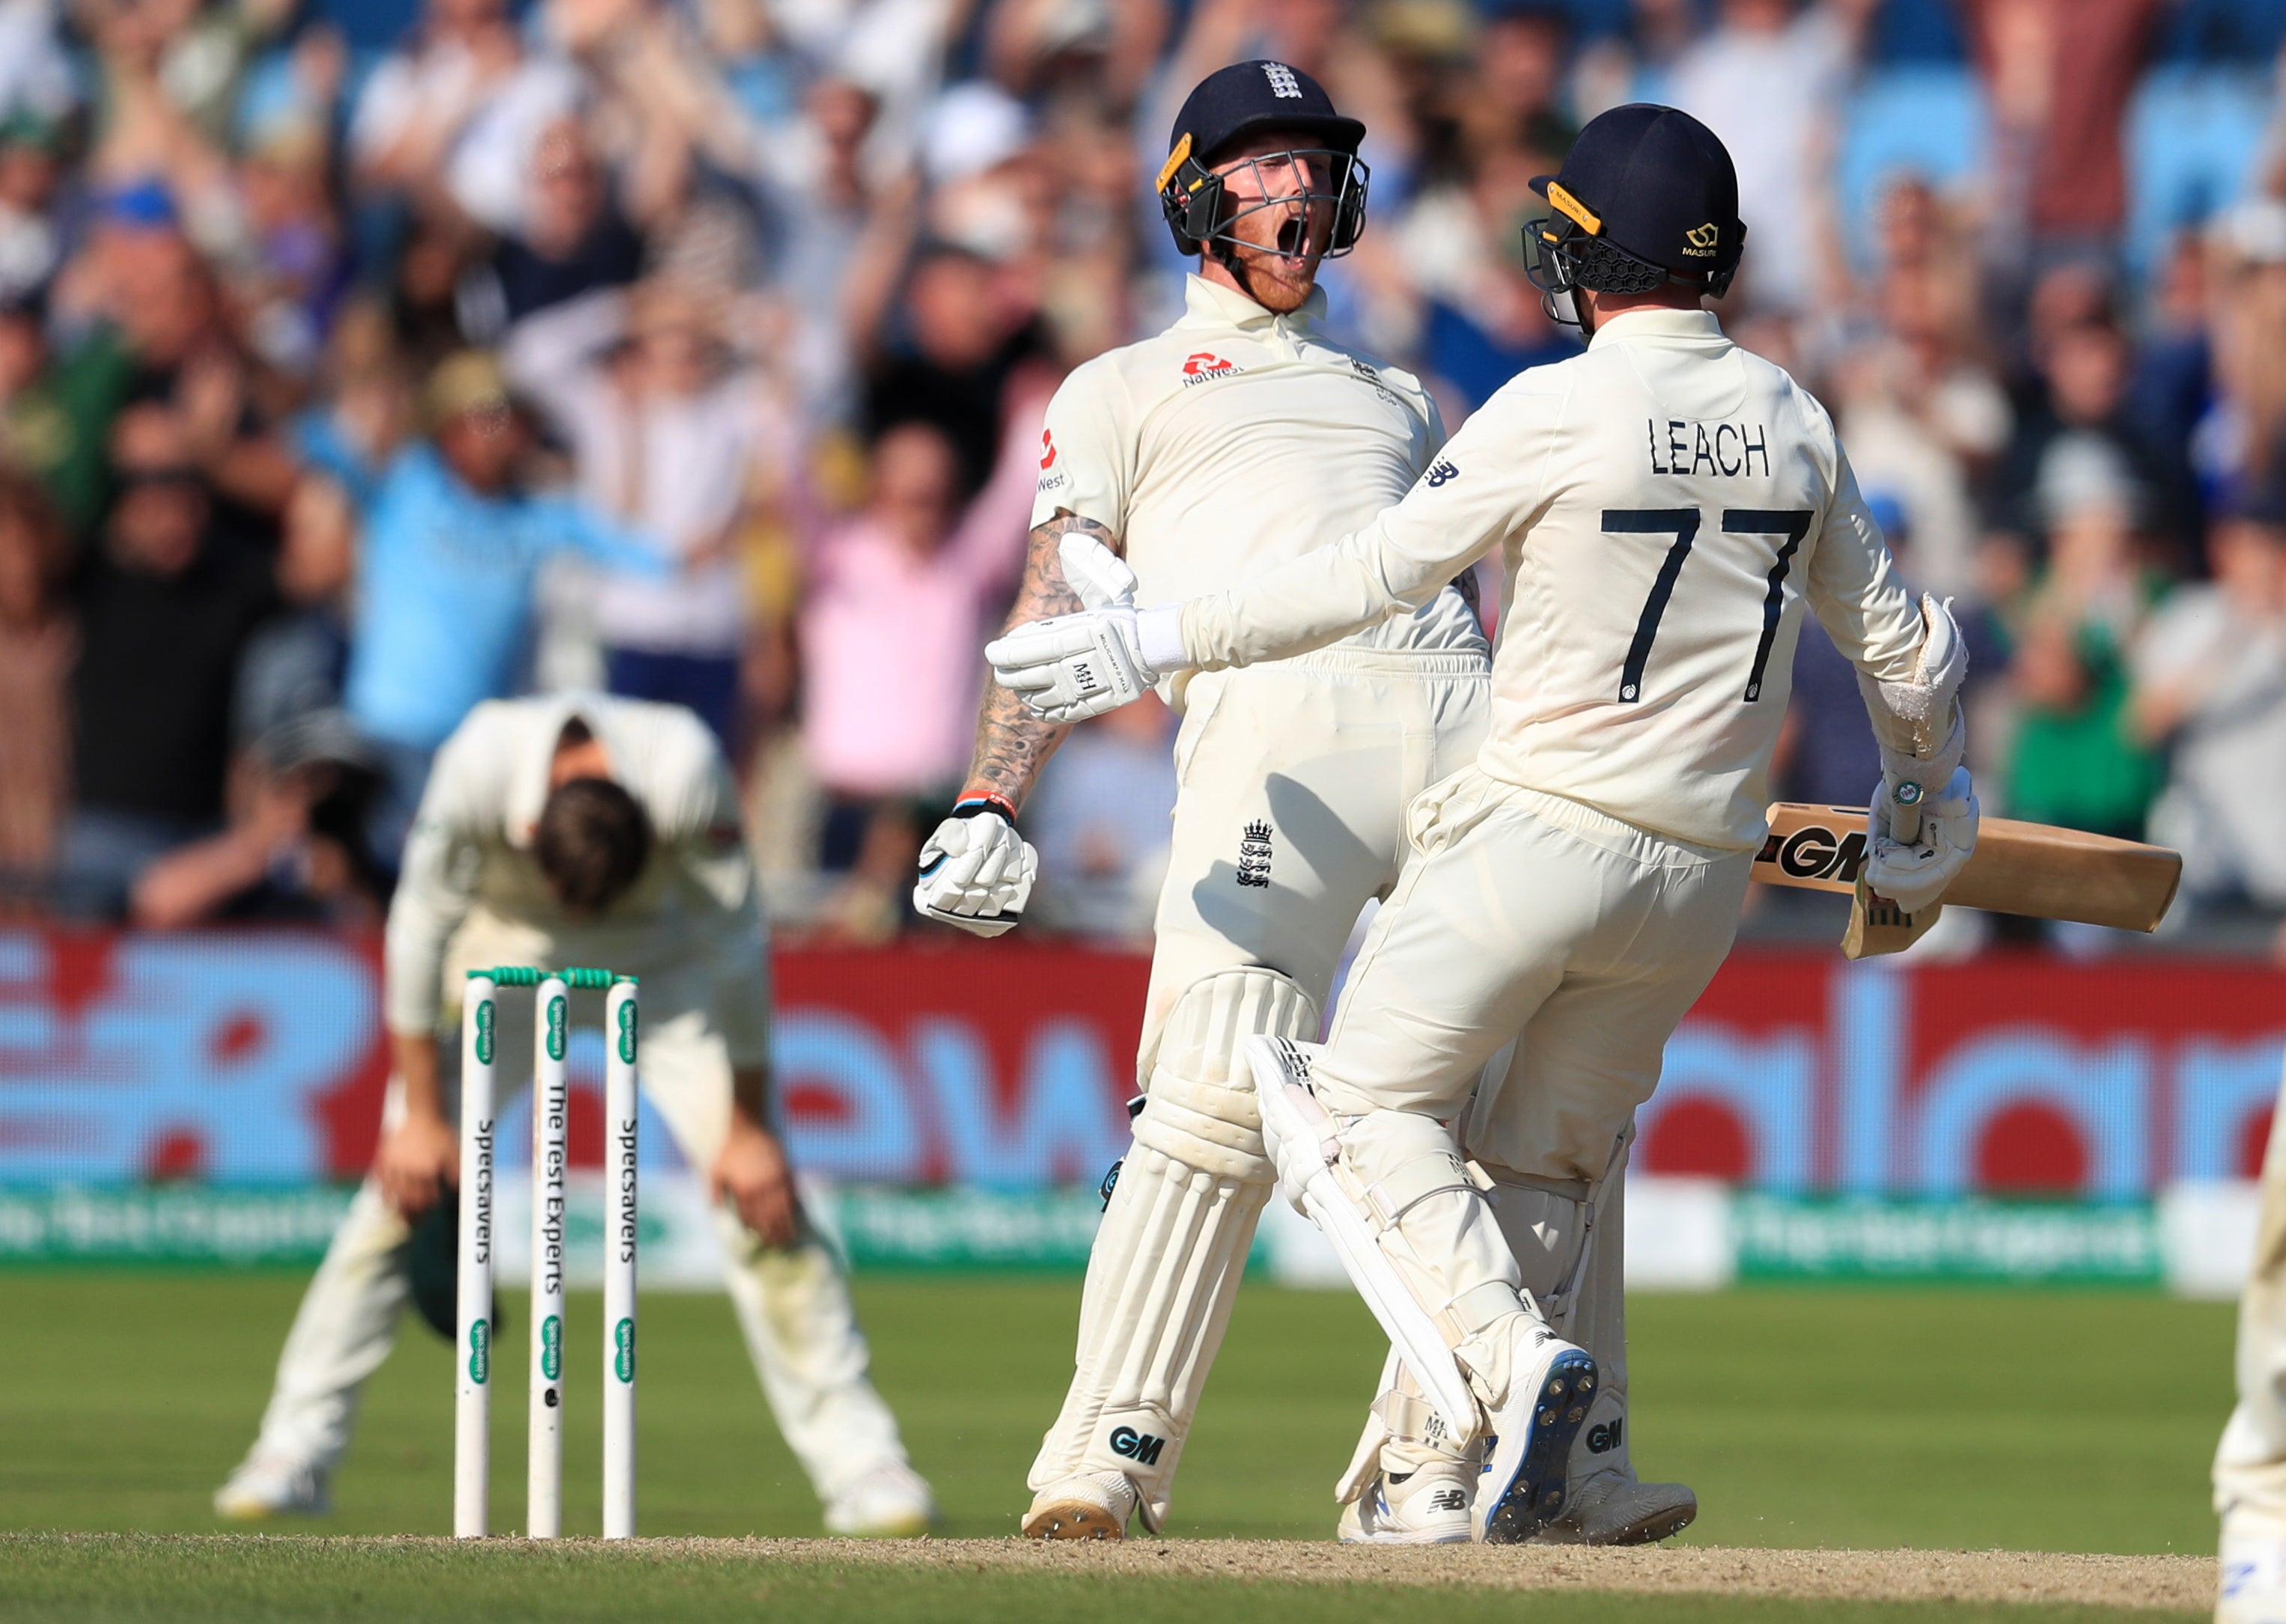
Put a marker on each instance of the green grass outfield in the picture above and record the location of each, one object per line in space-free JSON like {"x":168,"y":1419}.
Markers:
{"x":2033,"y":1420}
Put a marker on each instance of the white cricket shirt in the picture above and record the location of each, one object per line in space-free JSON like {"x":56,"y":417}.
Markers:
{"x":1666,"y":502}
{"x":470,"y":848}
{"x":1238,"y":439}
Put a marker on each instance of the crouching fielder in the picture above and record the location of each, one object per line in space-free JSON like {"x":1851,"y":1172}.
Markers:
{"x":586,"y":830}
{"x":1666,"y":502}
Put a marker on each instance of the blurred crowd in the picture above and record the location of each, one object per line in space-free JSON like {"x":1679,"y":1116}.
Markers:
{"x":359,"y":362}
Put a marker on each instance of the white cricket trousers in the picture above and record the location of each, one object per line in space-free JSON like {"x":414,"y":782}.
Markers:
{"x":1527,"y":918}
{"x":793,"y":1304}
{"x":2249,"y":1466}
{"x":1290,"y":815}
{"x":1293,"y":779}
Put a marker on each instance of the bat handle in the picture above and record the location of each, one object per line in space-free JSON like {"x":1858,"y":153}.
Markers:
{"x":1905,"y":814}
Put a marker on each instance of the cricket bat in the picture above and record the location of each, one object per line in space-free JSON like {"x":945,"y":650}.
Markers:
{"x":2031,"y":868}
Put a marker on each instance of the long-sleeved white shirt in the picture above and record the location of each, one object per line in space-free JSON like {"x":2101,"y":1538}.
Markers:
{"x":1238,"y":438}
{"x":1666,"y":502}
{"x":470,"y":848}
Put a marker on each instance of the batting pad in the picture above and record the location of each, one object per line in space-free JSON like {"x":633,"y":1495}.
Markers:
{"x":1200,"y":1108}
{"x":1173,"y":1241}
{"x":1167,"y":1263}
{"x":1298,"y":1132}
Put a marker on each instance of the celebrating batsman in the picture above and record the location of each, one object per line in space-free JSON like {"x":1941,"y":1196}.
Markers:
{"x":579,"y":828}
{"x":1666,"y":503}
{"x":1222,"y":446}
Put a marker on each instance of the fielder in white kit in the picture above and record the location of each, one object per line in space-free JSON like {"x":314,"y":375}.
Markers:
{"x":579,"y":829}
{"x":1223,"y":445}
{"x":1666,"y":503}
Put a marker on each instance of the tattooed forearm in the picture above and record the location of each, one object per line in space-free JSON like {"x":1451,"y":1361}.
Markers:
{"x":1011,"y":741}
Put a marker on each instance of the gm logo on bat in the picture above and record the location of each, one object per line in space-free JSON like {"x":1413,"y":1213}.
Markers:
{"x":1812,"y":854}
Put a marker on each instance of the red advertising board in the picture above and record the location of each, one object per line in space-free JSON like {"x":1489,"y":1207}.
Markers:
{"x":257,"y":1057}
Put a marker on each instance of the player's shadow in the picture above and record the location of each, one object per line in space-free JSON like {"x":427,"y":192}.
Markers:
{"x":1300,"y":822}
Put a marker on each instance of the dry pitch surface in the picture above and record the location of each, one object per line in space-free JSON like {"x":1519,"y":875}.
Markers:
{"x":1989,"y":1578}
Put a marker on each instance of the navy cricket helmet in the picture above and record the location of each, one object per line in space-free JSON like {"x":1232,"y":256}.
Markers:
{"x":1246,"y":98}
{"x":1647,"y":195}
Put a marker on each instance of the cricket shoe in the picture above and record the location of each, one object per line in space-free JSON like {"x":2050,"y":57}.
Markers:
{"x":1087,"y":1505}
{"x":1610,"y":1507}
{"x":891,"y":1501}
{"x":266,"y":1485}
{"x":1529,"y":1447}
{"x":1426,"y":1506}
{"x":2253,"y":1578}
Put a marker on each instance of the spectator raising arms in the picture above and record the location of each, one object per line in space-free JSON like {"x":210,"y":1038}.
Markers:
{"x":444,"y":583}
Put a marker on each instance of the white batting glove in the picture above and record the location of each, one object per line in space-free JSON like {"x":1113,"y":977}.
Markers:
{"x":1916,"y":845}
{"x":976,"y":871}
{"x":1073,"y":667}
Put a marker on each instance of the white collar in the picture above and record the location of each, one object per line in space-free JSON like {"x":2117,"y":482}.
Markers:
{"x":1206,"y":303}
{"x":1657,"y":326}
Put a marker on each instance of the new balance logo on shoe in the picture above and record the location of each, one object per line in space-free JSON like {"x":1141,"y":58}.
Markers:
{"x":1139,"y":1448}
{"x":1448,"y":1500}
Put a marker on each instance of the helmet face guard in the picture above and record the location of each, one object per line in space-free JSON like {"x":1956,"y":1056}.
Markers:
{"x":1201,"y":213}
{"x":1568,"y":251}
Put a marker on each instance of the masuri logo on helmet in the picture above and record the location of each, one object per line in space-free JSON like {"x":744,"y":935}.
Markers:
{"x":1647,"y":195}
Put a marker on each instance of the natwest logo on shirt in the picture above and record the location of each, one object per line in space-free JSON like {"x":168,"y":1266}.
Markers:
{"x":1205,"y":366}
{"x":1048,"y":449}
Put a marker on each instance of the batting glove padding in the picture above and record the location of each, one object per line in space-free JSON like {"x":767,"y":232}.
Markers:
{"x":1915,"y":875}
{"x":1074,"y":667}
{"x":976,"y":871}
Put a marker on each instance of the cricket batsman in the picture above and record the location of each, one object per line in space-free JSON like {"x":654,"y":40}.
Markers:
{"x":1225,"y":444}
{"x":578,"y":828}
{"x":1666,"y":503}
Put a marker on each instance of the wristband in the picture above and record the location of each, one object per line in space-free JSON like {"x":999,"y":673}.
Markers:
{"x":1159,"y":640}
{"x":971,"y":806}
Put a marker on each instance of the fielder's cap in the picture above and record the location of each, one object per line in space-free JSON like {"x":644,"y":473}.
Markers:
{"x":1247,"y":97}
{"x":1653,"y":181}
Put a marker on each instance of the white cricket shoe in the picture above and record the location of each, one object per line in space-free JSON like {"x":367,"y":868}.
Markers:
{"x":266,"y":1485}
{"x":1610,"y":1507}
{"x":1088,"y":1505}
{"x":891,"y":1501}
{"x":2253,"y":1579}
{"x":1426,"y":1506}
{"x":1529,"y":1433}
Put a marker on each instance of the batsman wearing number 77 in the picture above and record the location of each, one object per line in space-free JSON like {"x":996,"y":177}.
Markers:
{"x":1667,"y":504}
